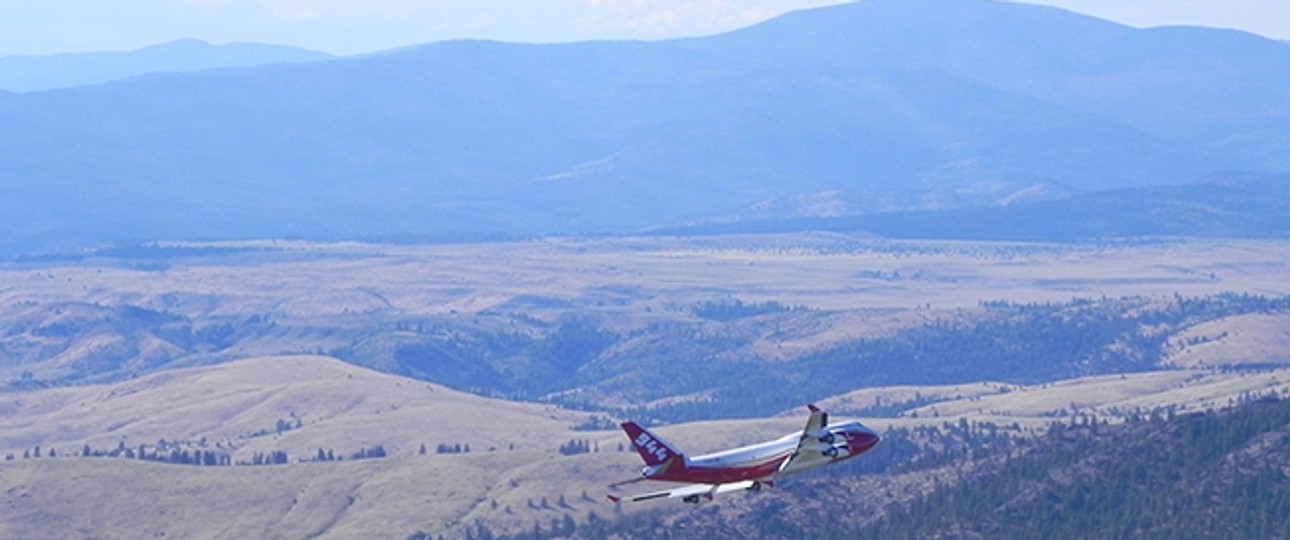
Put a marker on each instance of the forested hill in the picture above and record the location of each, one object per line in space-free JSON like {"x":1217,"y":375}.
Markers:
{"x":1215,"y":475}
{"x":1205,"y":475}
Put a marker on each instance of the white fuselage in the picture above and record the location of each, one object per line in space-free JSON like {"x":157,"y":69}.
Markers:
{"x":749,"y":455}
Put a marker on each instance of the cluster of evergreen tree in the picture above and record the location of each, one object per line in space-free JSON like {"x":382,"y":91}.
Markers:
{"x":325,"y":455}
{"x":734,"y":309}
{"x":597,"y":422}
{"x":279,"y":427}
{"x":483,"y":362}
{"x":1016,"y":343}
{"x":374,"y":452}
{"x":559,"y":527}
{"x":209,"y":458}
{"x":32,"y":453}
{"x":455,"y":448}
{"x":165,"y":453}
{"x":177,"y":454}
{"x":1215,"y":475}
{"x":578,"y":446}
{"x":276,"y":457}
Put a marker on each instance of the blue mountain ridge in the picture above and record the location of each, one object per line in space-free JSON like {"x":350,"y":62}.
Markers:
{"x":34,"y":73}
{"x":976,"y":99}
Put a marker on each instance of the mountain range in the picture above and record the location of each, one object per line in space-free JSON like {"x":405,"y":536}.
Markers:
{"x":29,"y":73}
{"x":909,"y":105}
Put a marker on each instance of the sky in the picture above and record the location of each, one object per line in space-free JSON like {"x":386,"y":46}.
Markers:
{"x":40,"y":27}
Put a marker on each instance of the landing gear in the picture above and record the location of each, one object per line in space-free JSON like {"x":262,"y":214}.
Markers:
{"x":692,"y":499}
{"x":755,"y":487}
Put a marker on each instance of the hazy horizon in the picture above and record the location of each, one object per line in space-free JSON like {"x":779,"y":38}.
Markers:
{"x":347,"y":27}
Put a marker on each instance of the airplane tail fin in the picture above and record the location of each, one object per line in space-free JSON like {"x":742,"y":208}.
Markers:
{"x":653,"y":450}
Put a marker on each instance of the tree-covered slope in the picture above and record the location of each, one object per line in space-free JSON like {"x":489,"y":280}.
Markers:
{"x":1214,"y":475}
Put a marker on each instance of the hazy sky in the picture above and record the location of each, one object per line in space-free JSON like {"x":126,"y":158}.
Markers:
{"x":353,"y":26}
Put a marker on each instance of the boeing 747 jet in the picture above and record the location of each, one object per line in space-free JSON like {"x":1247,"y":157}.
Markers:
{"x":749,"y":468}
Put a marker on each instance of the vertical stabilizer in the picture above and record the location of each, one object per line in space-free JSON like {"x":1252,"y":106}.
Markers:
{"x":653,"y":450}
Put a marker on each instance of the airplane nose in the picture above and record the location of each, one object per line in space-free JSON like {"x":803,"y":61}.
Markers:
{"x":862,"y":439}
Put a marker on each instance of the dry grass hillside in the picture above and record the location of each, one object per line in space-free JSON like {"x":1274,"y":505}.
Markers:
{"x":1113,"y":396}
{"x":288,"y":280}
{"x":512,"y":466}
{"x":378,"y":498}
{"x":1245,"y":340}
{"x":345,"y":407}
{"x":339,"y":406}
{"x":239,"y":407}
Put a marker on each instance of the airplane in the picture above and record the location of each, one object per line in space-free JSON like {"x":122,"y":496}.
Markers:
{"x":748,"y":468}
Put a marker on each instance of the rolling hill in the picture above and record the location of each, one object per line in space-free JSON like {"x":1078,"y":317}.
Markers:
{"x":56,"y":482}
{"x":296,"y":405}
{"x":935,"y":103}
{"x":264,"y":404}
{"x":606,"y":323}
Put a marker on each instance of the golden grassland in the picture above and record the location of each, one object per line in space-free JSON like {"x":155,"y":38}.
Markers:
{"x":512,"y":478}
{"x":1113,"y":397}
{"x":378,"y":498}
{"x":339,"y":406}
{"x":239,"y":406}
{"x":815,"y":270}
{"x":1244,"y":340}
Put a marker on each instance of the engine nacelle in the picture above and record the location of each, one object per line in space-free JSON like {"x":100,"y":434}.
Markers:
{"x":837,"y":451}
{"x":828,"y":436}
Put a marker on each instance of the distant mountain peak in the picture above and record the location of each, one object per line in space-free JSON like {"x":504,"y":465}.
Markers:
{"x":38,"y":73}
{"x":926,"y":103}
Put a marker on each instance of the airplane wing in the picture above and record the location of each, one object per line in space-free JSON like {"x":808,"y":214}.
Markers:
{"x":803,"y":455}
{"x":691,"y":493}
{"x":816,"y":422}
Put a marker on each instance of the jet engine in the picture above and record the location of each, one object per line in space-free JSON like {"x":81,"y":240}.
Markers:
{"x":837,"y":451}
{"x":828,"y":436}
